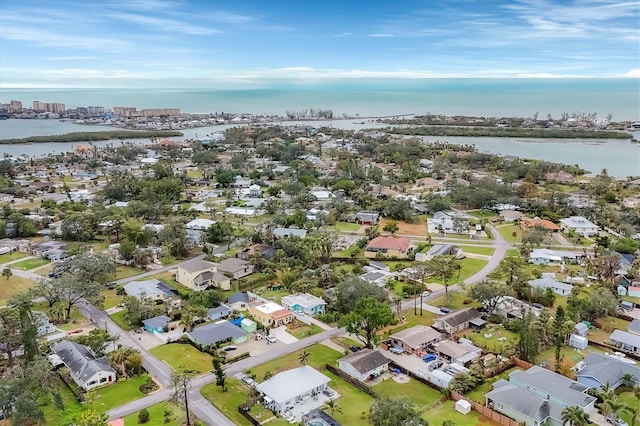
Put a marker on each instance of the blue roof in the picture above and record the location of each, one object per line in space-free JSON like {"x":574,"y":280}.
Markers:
{"x":157,"y":322}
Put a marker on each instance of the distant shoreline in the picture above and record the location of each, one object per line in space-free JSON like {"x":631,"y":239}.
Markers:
{"x":93,"y":136}
{"x":508,"y":132}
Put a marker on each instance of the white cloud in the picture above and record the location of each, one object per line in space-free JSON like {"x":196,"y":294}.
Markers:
{"x":164,"y":24}
{"x":381,"y":35}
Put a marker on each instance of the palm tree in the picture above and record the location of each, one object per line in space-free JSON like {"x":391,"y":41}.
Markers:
{"x":574,"y":416}
{"x":634,"y":414}
{"x":267,"y":375}
{"x":627,"y":380}
{"x":303,"y":357}
{"x":444,"y":267}
{"x":333,"y":407}
{"x":612,"y":407}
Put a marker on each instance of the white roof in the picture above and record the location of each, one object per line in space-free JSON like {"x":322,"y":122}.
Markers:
{"x":302,"y":299}
{"x":289,"y":384}
{"x":625,"y":337}
{"x":199,"y":224}
{"x":268,"y":307}
{"x":578,"y":222}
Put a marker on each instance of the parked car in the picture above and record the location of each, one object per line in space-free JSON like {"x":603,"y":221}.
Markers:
{"x":429,"y":357}
{"x":445,"y":310}
{"x":229,"y":348}
{"x":248,"y":381}
{"x":435,"y":365}
{"x":271,"y":339}
{"x":426,"y":293}
{"x":396,"y":351}
{"x":616,"y":422}
{"x":355,"y":348}
{"x":537,"y":305}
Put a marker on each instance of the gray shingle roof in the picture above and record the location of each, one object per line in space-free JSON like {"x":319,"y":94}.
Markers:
{"x":239,"y":297}
{"x":80,"y":361}
{"x":554,"y":384}
{"x":197,"y":265}
{"x":606,"y":369}
{"x":157,"y":322}
{"x":524,"y":402}
{"x":218,"y":332}
{"x":366,"y":360}
{"x":454,"y":319}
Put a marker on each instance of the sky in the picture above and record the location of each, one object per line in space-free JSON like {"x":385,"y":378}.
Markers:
{"x":84,"y":43}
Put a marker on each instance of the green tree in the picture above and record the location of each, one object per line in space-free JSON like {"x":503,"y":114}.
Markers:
{"x":303,"y":357}
{"x":181,"y":383}
{"x":126,"y":249}
{"x":490,"y":293}
{"x":351,"y":290}
{"x":444,"y":267}
{"x":74,"y":290}
{"x":528,"y":345}
{"x":96,"y":340}
{"x":391,"y":227}
{"x":219,"y":232}
{"x":367,"y":317}
{"x":511,"y":268}
{"x":143,"y":416}
{"x":133,"y":230}
{"x":91,"y":417}
{"x":77,"y":227}
{"x":7,"y":273}
{"x":395,"y":412}
{"x":574,"y":416}
{"x":10,"y":332}
{"x":221,"y":375}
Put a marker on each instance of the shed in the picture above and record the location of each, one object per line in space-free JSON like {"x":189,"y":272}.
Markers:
{"x":463,"y":406}
{"x":578,"y":342}
{"x":247,"y":325}
{"x":581,"y":329}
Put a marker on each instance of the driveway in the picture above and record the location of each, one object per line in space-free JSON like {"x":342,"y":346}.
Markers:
{"x":283,"y":336}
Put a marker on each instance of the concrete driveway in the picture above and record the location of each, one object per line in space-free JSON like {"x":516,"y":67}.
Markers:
{"x":283,"y":336}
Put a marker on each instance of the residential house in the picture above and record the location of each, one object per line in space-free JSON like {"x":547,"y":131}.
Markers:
{"x":241,"y":182}
{"x":388,"y":247}
{"x":561,"y":177}
{"x":289,"y":232}
{"x":150,"y":289}
{"x":579,"y":225}
{"x":364,"y":365}
{"x":321,"y":194}
{"x":200,"y":274}
{"x":634,"y":326}
{"x":197,"y":230}
{"x":457,"y":321}
{"x":304,"y":302}
{"x":627,"y":342}
{"x":42,"y":323}
{"x":255,"y":191}
{"x":157,"y":324}
{"x":446,"y":222}
{"x":461,"y":353}
{"x":597,"y":371}
{"x":544,"y":224}
{"x":219,"y":312}
{"x":295,"y":392}
{"x":366,"y":217}
{"x":237,"y":268}
{"x":511,"y":307}
{"x":265,"y":251}
{"x":440,"y":250}
{"x":538,"y":396}
{"x":416,"y":339}
{"x":270,"y":314}
{"x":248,"y":325}
{"x":511,"y":215}
{"x":217,"y":332}
{"x":238,"y":301}
{"x":544,"y":283}
{"x":86,"y":370}
{"x":552,"y":257}
{"x":377,"y":277}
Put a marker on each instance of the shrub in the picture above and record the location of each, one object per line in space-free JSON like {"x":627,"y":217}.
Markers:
{"x":143,"y":416}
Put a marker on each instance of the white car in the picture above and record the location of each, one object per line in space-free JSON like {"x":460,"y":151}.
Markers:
{"x":271,"y":339}
{"x":616,"y":422}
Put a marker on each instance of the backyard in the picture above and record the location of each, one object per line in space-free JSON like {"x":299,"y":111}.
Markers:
{"x":446,"y":411}
{"x":12,"y":286}
{"x":494,"y":338}
{"x":183,"y":357}
{"x":121,"y":319}
{"x":70,"y":405}
{"x":32,"y":263}
{"x":300,"y":330}
{"x":455,"y":300}
{"x":469,"y":267}
{"x":421,"y":394}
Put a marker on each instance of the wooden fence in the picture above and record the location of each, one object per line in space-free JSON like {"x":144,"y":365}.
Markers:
{"x":485,"y":411}
{"x":393,"y":365}
{"x":357,"y":383}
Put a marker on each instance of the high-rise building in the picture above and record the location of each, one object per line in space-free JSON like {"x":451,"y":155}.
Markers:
{"x":39,"y":106}
{"x":157,"y":112}
{"x":48,"y":107}
{"x":15,"y":106}
{"x":125,"y":111}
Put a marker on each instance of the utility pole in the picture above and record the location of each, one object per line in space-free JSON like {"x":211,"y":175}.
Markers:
{"x":420,"y":304}
{"x":186,"y":406}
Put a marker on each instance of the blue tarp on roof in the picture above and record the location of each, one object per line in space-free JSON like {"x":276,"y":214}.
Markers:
{"x":237,"y":321}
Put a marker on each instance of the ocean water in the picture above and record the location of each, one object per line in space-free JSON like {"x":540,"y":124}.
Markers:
{"x":373,"y":97}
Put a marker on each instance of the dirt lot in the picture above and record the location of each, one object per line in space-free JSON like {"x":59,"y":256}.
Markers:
{"x":418,"y":229}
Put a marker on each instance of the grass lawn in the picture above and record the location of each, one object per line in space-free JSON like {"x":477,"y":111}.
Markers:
{"x":446,"y":411}
{"x":570,"y":356}
{"x":71,"y":406}
{"x":347,"y":226}
{"x":455,"y":301}
{"x":469,"y":267}
{"x":483,"y":214}
{"x":345,"y":342}
{"x":127,"y":271}
{"x":157,"y":417}
{"x":628,"y":398}
{"x":228,"y":401}
{"x":507,"y":232}
{"x":76,"y":319}
{"x":478,"y":393}
{"x":419,"y":393}
{"x":492,"y":344}
{"x":513,"y":252}
{"x":13,"y":286}
{"x":121,"y":319}
{"x":354,"y":403}
{"x":396,"y":265}
{"x":304,"y":330}
{"x":182,"y":356}
{"x":411,"y":319}
{"x":10,"y":257}
{"x":44,"y":271}
{"x":111,"y":299}
{"x":319,"y":355}
{"x":109,"y":397}
{"x":488,"y":251}
{"x":28,"y":264}
{"x":100,"y":244}
{"x":274,"y":295}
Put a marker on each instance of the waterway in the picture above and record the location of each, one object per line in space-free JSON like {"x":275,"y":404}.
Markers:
{"x":620,"y":157}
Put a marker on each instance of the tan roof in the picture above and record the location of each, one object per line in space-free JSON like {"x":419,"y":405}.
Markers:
{"x":416,"y":336}
{"x":540,"y":223}
{"x":390,"y":243}
{"x":197,"y":265}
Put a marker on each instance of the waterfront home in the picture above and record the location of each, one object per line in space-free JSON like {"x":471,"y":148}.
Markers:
{"x":538,"y":396}
{"x":579,"y":225}
{"x":85,"y":369}
{"x":415,"y":339}
{"x":365,"y":364}
{"x":388,"y":247}
{"x":200,"y":274}
{"x":597,"y":371}
{"x":296,"y":392}
{"x":304,"y":302}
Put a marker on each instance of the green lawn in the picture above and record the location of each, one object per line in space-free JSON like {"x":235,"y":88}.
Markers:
{"x":469,"y":267}
{"x":455,"y":301}
{"x":419,"y":393}
{"x":570,"y":356}
{"x":483,"y":214}
{"x":228,"y":401}
{"x":274,"y":295}
{"x":10,"y":257}
{"x":12,"y":286}
{"x":492,"y":344}
{"x":345,"y":342}
{"x":120,"y":318}
{"x":507,"y":232}
{"x":513,"y":252}
{"x":127,"y":271}
{"x":411,"y":319}
{"x":628,"y":398}
{"x":446,"y":411}
{"x":478,"y":393}
{"x":71,"y":406}
{"x":488,"y":251}
{"x":304,"y":330}
{"x":319,"y":355}
{"x":157,"y":417}
{"x":109,"y":397}
{"x":29,"y":264}
{"x":182,"y":356}
{"x":347,"y":226}
{"x":111,"y":299}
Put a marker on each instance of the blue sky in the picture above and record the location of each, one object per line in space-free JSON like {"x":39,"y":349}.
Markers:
{"x":192,"y":43}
